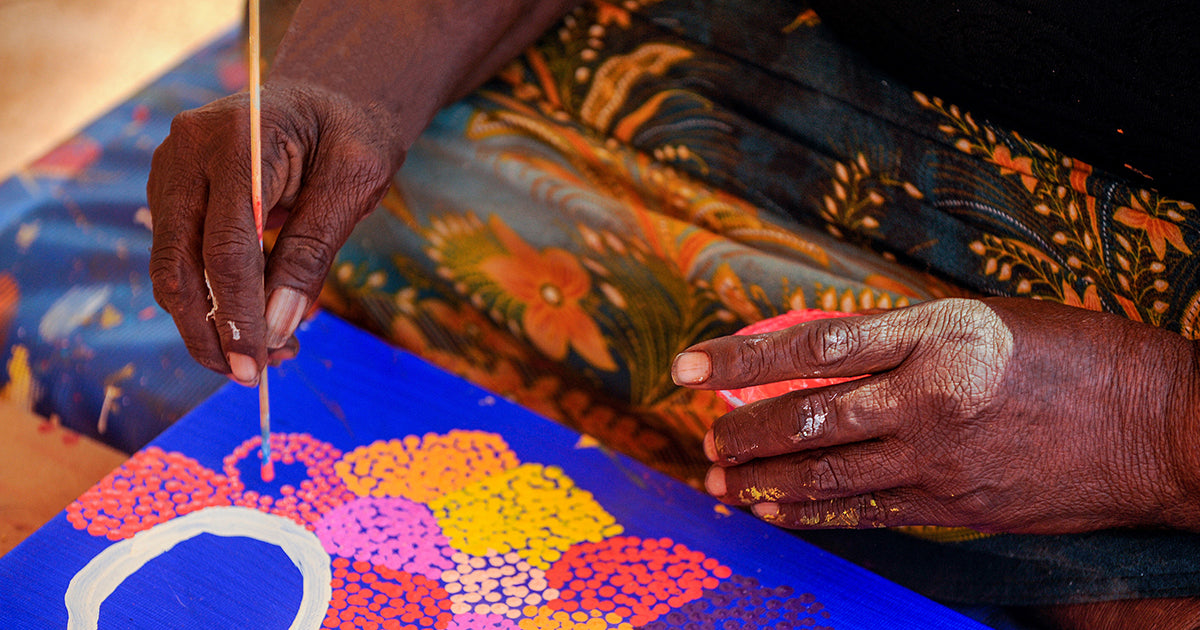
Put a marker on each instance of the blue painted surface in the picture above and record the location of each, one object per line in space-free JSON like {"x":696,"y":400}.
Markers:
{"x":382,"y":393}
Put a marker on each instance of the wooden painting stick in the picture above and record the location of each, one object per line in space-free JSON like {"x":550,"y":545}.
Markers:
{"x":254,"y":52}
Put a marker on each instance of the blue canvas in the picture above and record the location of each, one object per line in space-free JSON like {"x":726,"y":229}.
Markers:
{"x":433,"y":463}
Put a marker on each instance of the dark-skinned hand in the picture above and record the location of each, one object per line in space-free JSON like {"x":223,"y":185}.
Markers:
{"x":1004,"y":415}
{"x":326,"y":163}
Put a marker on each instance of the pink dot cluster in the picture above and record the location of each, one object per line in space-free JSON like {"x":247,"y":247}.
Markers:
{"x":393,"y":532}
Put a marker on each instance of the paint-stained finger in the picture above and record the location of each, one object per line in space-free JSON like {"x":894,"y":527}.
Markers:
{"x":824,"y":348}
{"x":816,"y":475}
{"x":844,"y":413}
{"x":865,"y":511}
{"x":177,"y":195}
{"x":233,"y":263}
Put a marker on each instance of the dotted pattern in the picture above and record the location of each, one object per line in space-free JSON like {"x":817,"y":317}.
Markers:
{"x":497,"y":585}
{"x":152,"y":487}
{"x":391,"y":532}
{"x":741,"y":603}
{"x":472,"y":621}
{"x":367,"y":597}
{"x":425,"y":468}
{"x":547,"y":619}
{"x":319,"y":494}
{"x":640,"y":580}
{"x":534,"y":510}
{"x":500,"y":546}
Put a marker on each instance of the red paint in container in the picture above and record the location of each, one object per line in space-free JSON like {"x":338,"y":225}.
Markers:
{"x":739,"y":397}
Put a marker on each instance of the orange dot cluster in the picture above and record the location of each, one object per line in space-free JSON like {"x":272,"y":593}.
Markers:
{"x":534,"y":510}
{"x":152,"y":487}
{"x":368,"y":597}
{"x":424,"y":468}
{"x":638,"y":579}
{"x":318,"y":495}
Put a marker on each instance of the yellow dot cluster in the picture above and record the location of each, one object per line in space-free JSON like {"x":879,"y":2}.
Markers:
{"x":424,"y":468}
{"x":546,"y":619}
{"x":533,"y":510}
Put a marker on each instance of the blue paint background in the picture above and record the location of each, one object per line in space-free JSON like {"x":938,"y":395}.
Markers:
{"x":382,"y":393}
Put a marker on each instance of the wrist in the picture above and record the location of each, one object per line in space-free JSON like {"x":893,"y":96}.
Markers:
{"x":406,"y":57}
{"x":1183,"y":429}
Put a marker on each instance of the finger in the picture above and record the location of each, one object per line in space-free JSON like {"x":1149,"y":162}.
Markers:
{"x":832,"y":347}
{"x":805,"y":419}
{"x":233,"y":268}
{"x":286,"y":352}
{"x":350,"y":180}
{"x":176,"y":193}
{"x":815,"y":475}
{"x":872,"y":510}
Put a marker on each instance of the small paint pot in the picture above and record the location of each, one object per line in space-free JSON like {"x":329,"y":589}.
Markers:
{"x":739,"y":397}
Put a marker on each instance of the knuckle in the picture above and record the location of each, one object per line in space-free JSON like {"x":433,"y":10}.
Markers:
{"x":757,"y":487}
{"x":754,"y":359}
{"x":728,"y":443}
{"x":811,"y":417}
{"x":830,"y":342}
{"x":872,"y":513}
{"x":305,"y":258}
{"x":230,"y":249}
{"x":828,"y":477}
{"x":167,"y":278}
{"x":364,"y":172}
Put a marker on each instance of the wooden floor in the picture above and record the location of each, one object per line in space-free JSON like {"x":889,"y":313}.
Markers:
{"x":64,"y":63}
{"x":43,"y":467}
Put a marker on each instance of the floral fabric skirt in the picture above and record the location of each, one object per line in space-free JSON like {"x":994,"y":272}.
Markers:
{"x":654,"y":173}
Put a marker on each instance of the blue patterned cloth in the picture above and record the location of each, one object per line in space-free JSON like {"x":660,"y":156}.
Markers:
{"x":78,"y":321}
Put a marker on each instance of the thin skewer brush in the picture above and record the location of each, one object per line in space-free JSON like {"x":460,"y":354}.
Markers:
{"x":253,"y":55}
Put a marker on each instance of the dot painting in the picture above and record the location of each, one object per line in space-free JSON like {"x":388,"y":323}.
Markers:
{"x":451,"y":532}
{"x":392,"y":532}
{"x":640,"y":580}
{"x":424,"y":468}
{"x":151,"y":487}
{"x":501,"y":585}
{"x":321,"y":491}
{"x":533,"y":510}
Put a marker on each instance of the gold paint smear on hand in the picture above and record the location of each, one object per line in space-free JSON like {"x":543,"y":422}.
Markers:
{"x":758,"y":495}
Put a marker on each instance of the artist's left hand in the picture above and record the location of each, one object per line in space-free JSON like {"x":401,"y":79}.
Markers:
{"x":1005,"y":415}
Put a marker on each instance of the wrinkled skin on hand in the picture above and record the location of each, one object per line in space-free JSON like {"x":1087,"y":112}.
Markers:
{"x":326,"y":163}
{"x":1005,"y":415}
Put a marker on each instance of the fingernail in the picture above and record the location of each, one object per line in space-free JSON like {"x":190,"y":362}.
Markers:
{"x":765,"y":511}
{"x":691,"y":368}
{"x":284,"y":310}
{"x":714,"y":481}
{"x":710,"y":447}
{"x":245,"y":370}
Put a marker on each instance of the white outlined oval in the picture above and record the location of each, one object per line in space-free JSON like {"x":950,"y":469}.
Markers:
{"x":100,"y":578}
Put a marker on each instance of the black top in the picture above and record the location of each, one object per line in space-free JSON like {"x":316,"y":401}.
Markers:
{"x":1112,"y":82}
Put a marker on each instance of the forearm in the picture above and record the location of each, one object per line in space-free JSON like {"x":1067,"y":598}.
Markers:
{"x":407,"y":57}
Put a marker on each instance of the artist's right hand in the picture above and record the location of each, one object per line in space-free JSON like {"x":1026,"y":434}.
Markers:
{"x":326,"y":162}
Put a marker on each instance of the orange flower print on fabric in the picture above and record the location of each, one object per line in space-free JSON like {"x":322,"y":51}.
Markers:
{"x":550,"y":285}
{"x":1089,"y":300}
{"x":1023,"y":166}
{"x":1158,"y":231}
